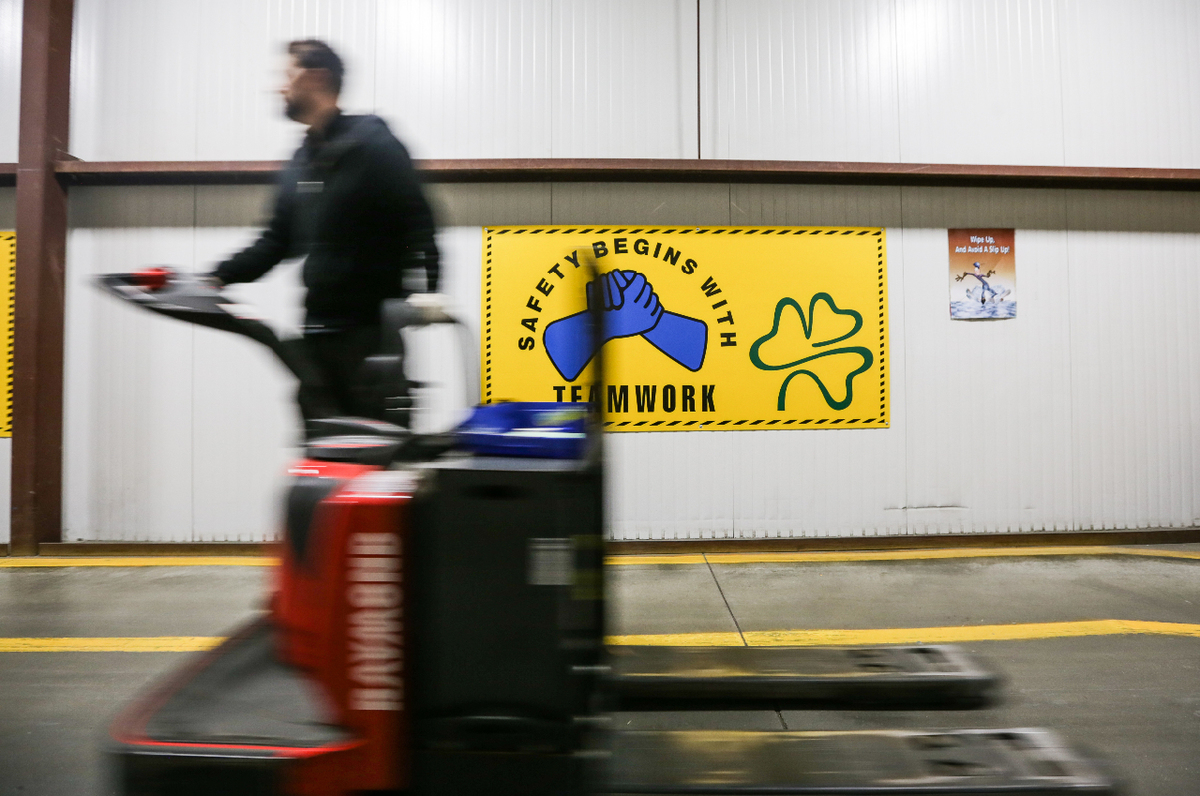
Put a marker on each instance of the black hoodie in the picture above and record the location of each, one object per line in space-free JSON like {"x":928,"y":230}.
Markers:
{"x":349,"y":199}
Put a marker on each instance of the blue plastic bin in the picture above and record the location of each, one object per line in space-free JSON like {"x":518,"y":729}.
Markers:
{"x":542,"y":430}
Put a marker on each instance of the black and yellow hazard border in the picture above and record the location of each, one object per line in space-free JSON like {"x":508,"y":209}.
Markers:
{"x":725,"y":279}
{"x":8,"y":279}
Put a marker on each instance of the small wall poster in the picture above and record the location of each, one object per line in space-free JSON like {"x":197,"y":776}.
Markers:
{"x":983,"y":274}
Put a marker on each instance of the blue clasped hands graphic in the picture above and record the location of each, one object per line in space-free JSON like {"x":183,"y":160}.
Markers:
{"x":630,"y":308}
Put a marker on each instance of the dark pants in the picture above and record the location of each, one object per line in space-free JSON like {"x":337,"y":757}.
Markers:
{"x":352,"y":378}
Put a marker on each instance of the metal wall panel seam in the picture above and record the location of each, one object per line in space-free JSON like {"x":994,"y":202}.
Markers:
{"x":194,"y":267}
{"x":898,"y":235}
{"x":1167,"y":484}
{"x":1076,"y":475}
{"x":1176,"y":476}
{"x":1192,"y":457}
{"x":896,"y":84}
{"x":1057,"y":11}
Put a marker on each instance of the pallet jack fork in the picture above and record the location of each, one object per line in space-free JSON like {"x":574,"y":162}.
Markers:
{"x":437,"y":627}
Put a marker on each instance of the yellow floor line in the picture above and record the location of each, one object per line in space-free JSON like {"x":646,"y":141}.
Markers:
{"x":1129,"y":551}
{"x":640,"y":560}
{"x":667,"y":559}
{"x":920,"y":555}
{"x":678,"y":640}
{"x":138,"y":644}
{"x":138,"y":561}
{"x":761,"y":638}
{"x":916,"y":635}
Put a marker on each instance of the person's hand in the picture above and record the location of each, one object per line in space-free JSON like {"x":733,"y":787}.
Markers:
{"x":630,"y":305}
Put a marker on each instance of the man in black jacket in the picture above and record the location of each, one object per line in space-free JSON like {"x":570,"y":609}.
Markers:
{"x":349,"y":199}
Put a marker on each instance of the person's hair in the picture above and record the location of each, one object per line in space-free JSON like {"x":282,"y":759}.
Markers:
{"x":316,"y":54}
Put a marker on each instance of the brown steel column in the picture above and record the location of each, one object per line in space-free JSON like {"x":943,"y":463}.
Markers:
{"x":41,"y":257}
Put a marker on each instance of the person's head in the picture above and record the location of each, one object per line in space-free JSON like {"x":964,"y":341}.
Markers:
{"x":312,"y":80}
{"x":976,"y":266}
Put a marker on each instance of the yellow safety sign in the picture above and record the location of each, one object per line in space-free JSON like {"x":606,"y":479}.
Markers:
{"x":713,"y":328}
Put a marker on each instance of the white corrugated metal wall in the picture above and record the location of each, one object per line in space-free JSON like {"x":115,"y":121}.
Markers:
{"x":1079,"y":414}
{"x":10,"y":78}
{"x":1034,"y":82}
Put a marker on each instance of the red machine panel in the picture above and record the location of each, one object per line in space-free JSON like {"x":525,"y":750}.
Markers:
{"x":340,"y":611}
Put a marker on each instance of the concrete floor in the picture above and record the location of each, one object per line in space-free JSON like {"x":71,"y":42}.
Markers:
{"x":55,"y":707}
{"x":1134,"y":700}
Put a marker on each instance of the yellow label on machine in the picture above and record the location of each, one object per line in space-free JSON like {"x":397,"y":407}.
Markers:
{"x":712,"y":328}
{"x":8,"y":271}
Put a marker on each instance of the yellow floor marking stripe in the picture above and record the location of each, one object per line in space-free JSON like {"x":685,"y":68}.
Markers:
{"x":1129,"y":551}
{"x":677,"y":558}
{"x":767,"y":638}
{"x":924,"y":555}
{"x":916,"y":635}
{"x":138,"y":561}
{"x":138,"y":644}
{"x":679,"y":640}
{"x":639,"y":560}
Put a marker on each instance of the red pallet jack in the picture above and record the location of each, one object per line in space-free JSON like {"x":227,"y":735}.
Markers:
{"x":437,"y":628}
{"x":311,"y":698}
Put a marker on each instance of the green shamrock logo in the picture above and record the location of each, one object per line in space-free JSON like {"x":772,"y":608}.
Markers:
{"x":845,"y":355}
